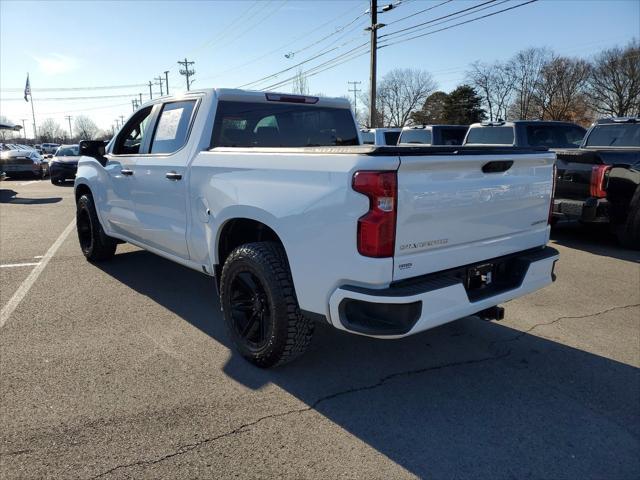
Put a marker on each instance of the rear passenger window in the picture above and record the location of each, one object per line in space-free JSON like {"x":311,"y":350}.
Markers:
{"x":421,"y":136}
{"x":490,"y":136}
{"x":172,"y":129}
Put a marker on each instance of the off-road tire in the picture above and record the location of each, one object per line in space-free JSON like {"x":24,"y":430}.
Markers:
{"x":288,"y":332}
{"x":94,"y":243}
{"x":629,"y":231}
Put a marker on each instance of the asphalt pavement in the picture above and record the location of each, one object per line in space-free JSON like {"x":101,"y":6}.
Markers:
{"x":124,"y":370}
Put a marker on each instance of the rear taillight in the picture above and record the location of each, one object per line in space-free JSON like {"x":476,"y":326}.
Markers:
{"x":597,"y":187}
{"x":377,"y":228}
{"x":553,"y":193}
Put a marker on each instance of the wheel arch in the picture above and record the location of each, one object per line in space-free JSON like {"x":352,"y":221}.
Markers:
{"x":82,"y":189}
{"x":236,"y":231}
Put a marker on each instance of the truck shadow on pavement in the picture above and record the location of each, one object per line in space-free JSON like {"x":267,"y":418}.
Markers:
{"x":9,"y":196}
{"x":466,"y":400}
{"x":593,"y":239}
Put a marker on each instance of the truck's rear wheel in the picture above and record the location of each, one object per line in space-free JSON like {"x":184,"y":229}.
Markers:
{"x":95,"y":244}
{"x":629,"y":232}
{"x":260,"y":307}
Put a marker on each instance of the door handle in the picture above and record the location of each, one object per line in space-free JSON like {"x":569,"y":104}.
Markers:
{"x":173,"y":176}
{"x":124,"y":171}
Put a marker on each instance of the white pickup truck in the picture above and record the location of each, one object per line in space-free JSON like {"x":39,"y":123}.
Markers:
{"x":274,"y":196}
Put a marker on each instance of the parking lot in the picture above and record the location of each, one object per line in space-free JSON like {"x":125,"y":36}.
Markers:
{"x":124,"y":370}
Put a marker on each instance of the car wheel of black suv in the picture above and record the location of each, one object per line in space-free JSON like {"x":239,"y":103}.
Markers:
{"x":260,"y":307}
{"x":95,"y":244}
{"x":629,"y":232}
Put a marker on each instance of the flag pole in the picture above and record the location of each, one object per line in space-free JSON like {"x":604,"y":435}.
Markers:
{"x":35,"y":135}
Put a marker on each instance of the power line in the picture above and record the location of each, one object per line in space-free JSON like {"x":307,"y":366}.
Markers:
{"x":458,"y":24}
{"x":283,"y":46}
{"x":353,"y":54}
{"x":453,"y":14}
{"x":70,"y":89}
{"x":419,"y":12}
{"x":300,"y":63}
{"x":71,"y":98}
{"x":446,"y":20}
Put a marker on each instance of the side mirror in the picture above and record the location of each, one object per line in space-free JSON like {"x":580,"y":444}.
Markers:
{"x":48,"y":156}
{"x":95,"y":149}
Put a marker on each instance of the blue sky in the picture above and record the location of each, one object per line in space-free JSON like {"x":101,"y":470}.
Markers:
{"x":92,"y":43}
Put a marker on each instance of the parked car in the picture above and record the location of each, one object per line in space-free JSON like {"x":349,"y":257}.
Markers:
{"x":49,"y":148}
{"x":600,"y":181}
{"x":433,"y":134}
{"x":18,"y":161}
{"x":273,"y":196}
{"x":380,"y":136}
{"x":38,"y":148}
{"x":64,"y":164}
{"x":526,"y":133}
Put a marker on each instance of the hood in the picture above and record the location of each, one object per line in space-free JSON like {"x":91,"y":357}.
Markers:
{"x":18,"y":155}
{"x":67,"y":159}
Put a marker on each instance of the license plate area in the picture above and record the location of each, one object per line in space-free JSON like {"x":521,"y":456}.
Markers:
{"x":479,"y":276}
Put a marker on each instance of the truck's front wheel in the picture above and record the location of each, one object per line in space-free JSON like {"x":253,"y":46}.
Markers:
{"x":95,"y":244}
{"x":260,"y":307}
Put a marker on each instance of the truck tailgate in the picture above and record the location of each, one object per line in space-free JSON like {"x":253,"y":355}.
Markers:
{"x":458,"y":209}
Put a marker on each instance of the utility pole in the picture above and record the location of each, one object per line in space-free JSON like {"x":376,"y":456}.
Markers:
{"x":355,"y":91}
{"x":24,"y":129}
{"x":68,"y":117}
{"x":150,"y":91}
{"x":159,"y":81}
{"x":166,"y":80}
{"x":133,"y":104}
{"x":186,"y":71}
{"x":373,"y":10}
{"x":121,"y":120}
{"x":140,"y":98}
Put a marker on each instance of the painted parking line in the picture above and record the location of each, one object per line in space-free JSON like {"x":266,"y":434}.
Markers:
{"x":29,"y":183}
{"x":26,"y":285}
{"x":14,"y":265}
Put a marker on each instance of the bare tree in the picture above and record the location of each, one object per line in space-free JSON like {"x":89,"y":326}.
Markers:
{"x":526,"y":69}
{"x":561,"y":87}
{"x":432,"y":111}
{"x":614,"y":83}
{"x":300,"y":83}
{"x":401,"y":92}
{"x":85,"y":128}
{"x":50,"y":130}
{"x":495,"y":83}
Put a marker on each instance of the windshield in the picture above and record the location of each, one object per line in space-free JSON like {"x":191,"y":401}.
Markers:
{"x":615,"y":135}
{"x":247,"y":124}
{"x":490,"y":136}
{"x":555,"y":136}
{"x":72,"y":151}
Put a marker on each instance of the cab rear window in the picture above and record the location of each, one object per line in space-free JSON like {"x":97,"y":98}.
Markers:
{"x":247,"y":124}
{"x":416,"y":136}
{"x":615,"y":135}
{"x":490,"y":136}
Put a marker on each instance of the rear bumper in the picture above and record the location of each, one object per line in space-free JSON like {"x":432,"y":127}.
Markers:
{"x":422,"y":303}
{"x":591,"y":210}
{"x":63,"y":170}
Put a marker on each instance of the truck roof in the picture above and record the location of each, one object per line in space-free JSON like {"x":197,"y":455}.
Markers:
{"x":237,"y":95}
{"x":502,"y":123}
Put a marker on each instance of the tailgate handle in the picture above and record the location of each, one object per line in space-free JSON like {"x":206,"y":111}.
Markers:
{"x":497,"y":166}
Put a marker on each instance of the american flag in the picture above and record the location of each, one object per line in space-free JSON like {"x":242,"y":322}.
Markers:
{"x":27,"y":89}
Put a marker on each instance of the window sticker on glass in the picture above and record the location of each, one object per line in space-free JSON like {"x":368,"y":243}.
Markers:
{"x":168,"y":124}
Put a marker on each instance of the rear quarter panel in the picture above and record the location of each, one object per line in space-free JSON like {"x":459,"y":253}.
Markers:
{"x":306,"y":198}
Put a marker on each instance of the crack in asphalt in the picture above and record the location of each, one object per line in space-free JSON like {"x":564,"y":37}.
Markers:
{"x":558,"y":319}
{"x":192,"y":446}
